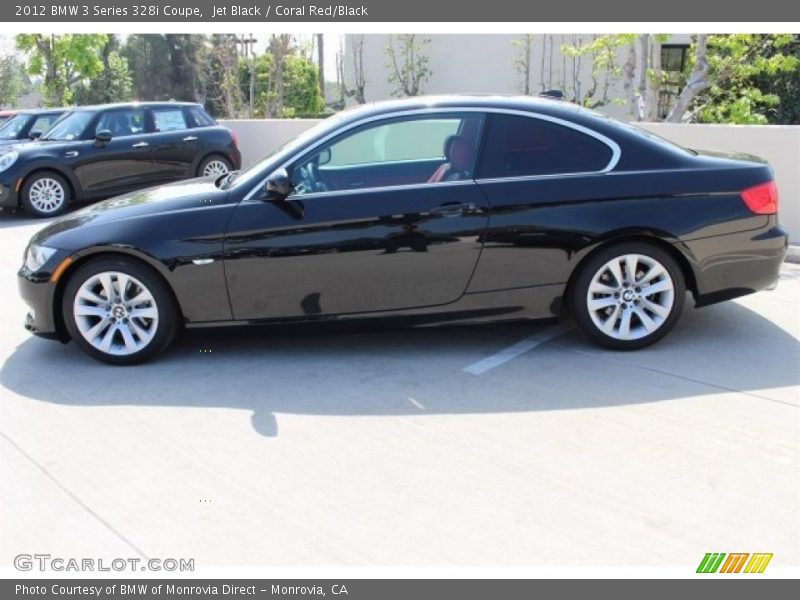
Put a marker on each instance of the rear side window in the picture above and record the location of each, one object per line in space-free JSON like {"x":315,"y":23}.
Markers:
{"x":516,"y":146}
{"x":122,"y":123}
{"x":200,"y":117}
{"x":169,"y":119}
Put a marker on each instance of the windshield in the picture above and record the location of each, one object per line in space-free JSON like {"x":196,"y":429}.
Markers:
{"x":10,"y":129}
{"x":252,"y":174}
{"x":70,"y":127}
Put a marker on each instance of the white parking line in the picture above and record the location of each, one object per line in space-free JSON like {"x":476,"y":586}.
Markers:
{"x":521,"y":347}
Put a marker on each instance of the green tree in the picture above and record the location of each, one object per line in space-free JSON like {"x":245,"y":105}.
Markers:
{"x":13,"y":80}
{"x":63,"y":61}
{"x":113,"y":84}
{"x":298,"y":87}
{"x":148,"y":57}
{"x":187,"y":58}
{"x":753,"y":80}
{"x":408,"y":63}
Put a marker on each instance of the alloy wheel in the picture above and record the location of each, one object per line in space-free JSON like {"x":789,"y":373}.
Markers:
{"x":47,"y":195}
{"x":115,"y":313}
{"x":630,"y":297}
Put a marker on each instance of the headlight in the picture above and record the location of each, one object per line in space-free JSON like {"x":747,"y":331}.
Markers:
{"x":36,"y":256}
{"x":8,"y":159}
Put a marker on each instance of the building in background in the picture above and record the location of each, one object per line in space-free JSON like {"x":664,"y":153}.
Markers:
{"x":497,"y":64}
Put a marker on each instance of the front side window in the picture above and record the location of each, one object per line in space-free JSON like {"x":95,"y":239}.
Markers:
{"x":518,"y":146}
{"x":403,"y":151}
{"x":169,"y":119}
{"x":122,"y":123}
{"x":71,"y":127}
{"x":43,"y":123}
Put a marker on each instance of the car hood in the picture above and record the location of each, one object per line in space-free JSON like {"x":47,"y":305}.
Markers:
{"x":182,"y":195}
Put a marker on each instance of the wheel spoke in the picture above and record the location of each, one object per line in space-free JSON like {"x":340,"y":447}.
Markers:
{"x":658,"y":287}
{"x":108,"y":337}
{"x":149,"y":312}
{"x":90,"y":296}
{"x":92,"y":333}
{"x":108,"y":286}
{"x":616,"y":271}
{"x":630,"y":268}
{"x":122,"y":285}
{"x":655,"y":271}
{"x":608,"y":325}
{"x":656,"y":309}
{"x":130,"y":343}
{"x":645,"y":319}
{"x":625,"y":324}
{"x":140,"y":298}
{"x":601,"y":303}
{"x":85,"y":310}
{"x":601,"y":288}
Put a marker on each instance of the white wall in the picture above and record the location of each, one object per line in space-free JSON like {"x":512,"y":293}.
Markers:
{"x":779,"y":144}
{"x":485,"y":64}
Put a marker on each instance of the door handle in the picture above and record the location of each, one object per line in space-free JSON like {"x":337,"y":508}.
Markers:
{"x":140,"y":145}
{"x":71,"y":153}
{"x":190,"y":138}
{"x":453,"y":209}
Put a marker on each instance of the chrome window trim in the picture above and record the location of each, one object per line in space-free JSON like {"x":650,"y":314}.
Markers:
{"x":373,"y":190}
{"x":616,"y":151}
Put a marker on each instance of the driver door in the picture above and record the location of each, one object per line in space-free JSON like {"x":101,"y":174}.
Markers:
{"x":363,"y":230}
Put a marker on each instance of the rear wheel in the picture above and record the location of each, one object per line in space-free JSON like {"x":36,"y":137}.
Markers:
{"x":628,"y":296}
{"x":45,"y":194}
{"x":214,"y":166}
{"x":119,"y":311}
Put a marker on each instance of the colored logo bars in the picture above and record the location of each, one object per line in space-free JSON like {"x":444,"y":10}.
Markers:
{"x":713,"y":562}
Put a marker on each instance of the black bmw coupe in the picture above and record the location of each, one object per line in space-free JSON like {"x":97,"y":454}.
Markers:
{"x":433,"y":210}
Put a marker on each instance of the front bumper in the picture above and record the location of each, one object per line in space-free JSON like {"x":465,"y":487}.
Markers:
{"x":8,"y":195}
{"x":733,"y":265}
{"x":39,"y":293}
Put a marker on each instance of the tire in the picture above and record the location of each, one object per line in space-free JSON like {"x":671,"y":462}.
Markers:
{"x":45,"y":194}
{"x":119,"y":332}
{"x":215,"y":165}
{"x":621,"y":316}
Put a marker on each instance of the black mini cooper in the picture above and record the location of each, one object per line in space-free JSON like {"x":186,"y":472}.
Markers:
{"x":430,"y":210}
{"x":96,"y":152}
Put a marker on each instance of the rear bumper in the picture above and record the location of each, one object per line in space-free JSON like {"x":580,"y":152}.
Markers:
{"x":729,"y":266}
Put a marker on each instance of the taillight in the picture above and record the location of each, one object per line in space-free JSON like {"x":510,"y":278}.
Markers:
{"x":762,"y":199}
{"x":235,"y":138}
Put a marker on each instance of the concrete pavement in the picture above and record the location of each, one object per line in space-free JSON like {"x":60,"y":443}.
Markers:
{"x":319,"y":447}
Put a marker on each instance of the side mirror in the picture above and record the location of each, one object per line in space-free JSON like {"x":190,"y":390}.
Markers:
{"x":324,"y":157}
{"x":103,"y":136}
{"x":35,"y":134}
{"x":278,"y":185}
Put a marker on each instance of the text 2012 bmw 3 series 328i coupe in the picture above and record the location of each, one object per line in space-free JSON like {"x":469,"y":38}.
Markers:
{"x":438,"y":209}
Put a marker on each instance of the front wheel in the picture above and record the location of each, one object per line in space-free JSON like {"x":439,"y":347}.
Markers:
{"x":628,"y":296}
{"x":45,"y":194}
{"x":119,"y":311}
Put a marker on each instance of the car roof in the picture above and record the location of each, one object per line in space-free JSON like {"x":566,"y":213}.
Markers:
{"x":540,"y":104}
{"x":156,"y":104}
{"x":41,"y":111}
